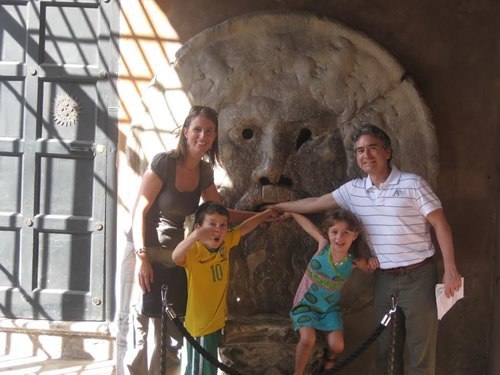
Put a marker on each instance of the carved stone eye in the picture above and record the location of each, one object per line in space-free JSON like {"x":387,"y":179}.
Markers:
{"x":247,"y":133}
{"x":304,"y":136}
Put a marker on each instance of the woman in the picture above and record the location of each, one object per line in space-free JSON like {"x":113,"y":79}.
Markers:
{"x":173,"y":183}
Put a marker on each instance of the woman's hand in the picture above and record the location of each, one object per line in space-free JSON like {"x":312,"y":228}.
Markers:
{"x":144,"y":273}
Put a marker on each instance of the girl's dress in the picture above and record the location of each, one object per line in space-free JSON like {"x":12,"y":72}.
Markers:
{"x":317,"y":301}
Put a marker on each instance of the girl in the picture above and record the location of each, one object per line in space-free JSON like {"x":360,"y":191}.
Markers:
{"x":316,"y":305}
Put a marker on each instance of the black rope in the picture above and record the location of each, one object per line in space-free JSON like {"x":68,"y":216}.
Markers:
{"x":378,"y":331}
{"x":355,"y":353}
{"x":163,"y":348}
{"x":167,"y":310}
{"x":170,"y":313}
{"x":391,"y":357}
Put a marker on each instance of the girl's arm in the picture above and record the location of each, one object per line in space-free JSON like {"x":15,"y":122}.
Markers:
{"x":373,"y":263}
{"x":308,"y":226}
{"x":362,"y":264}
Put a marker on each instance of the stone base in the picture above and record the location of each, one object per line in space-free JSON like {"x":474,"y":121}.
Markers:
{"x":261,"y":345}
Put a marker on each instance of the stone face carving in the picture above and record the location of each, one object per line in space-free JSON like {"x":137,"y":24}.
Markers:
{"x":289,"y":89}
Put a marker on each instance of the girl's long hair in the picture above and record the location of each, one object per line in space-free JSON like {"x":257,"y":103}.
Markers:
{"x":359,"y":248}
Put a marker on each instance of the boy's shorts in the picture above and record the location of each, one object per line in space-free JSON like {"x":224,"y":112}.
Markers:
{"x":193,"y":362}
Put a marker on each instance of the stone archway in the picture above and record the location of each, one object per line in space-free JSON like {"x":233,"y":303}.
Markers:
{"x":289,"y":88}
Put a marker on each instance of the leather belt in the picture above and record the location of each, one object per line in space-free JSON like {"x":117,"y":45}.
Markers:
{"x":404,"y":269}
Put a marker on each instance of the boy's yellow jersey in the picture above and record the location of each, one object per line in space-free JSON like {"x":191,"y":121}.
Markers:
{"x":208,"y":279}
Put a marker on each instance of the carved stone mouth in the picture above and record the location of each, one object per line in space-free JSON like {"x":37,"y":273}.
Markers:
{"x":256,"y":197}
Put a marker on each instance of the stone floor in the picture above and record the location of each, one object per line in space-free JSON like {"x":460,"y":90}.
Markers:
{"x":24,"y":365}
{"x":56,"y":348}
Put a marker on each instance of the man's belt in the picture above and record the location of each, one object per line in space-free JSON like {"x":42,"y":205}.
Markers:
{"x":405,"y":269}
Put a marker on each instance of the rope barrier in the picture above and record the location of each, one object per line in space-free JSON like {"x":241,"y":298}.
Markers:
{"x":378,"y":331}
{"x":168,"y":312}
{"x":163,"y":349}
{"x":391,"y":357}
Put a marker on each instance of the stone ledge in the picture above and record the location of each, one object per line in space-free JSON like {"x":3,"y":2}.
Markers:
{"x":101,"y":330}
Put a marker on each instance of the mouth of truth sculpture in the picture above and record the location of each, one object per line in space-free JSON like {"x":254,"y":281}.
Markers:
{"x":289,"y":88}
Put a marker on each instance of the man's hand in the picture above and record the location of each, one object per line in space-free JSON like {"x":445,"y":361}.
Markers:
{"x":452,"y":282}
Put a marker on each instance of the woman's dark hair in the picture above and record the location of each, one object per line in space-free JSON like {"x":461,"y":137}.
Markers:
{"x":209,"y":208}
{"x":209,"y":113}
{"x":359,"y":248}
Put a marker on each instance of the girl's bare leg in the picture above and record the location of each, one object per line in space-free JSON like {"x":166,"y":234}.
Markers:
{"x":335,"y":341}
{"x":304,"y":349}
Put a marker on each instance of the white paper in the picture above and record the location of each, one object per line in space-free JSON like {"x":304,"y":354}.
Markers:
{"x":444,"y":303}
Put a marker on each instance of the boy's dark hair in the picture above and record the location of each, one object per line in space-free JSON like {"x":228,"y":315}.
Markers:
{"x":209,"y":208}
{"x":359,"y":248}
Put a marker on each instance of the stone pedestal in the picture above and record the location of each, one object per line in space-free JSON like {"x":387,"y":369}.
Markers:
{"x":261,"y":345}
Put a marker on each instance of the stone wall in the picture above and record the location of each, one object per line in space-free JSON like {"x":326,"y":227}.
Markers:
{"x":443,"y":53}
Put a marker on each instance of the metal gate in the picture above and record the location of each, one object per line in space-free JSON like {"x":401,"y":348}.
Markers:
{"x":57,"y":151}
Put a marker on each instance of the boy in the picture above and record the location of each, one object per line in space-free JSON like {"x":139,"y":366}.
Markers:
{"x":205,"y":256}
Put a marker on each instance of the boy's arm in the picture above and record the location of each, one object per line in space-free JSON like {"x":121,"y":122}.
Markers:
{"x":308,"y":226}
{"x":181,"y":250}
{"x":253,"y":222}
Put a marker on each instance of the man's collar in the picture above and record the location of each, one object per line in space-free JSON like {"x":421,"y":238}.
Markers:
{"x":393,"y":179}
{"x":394,"y":176}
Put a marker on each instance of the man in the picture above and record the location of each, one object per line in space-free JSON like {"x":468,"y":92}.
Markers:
{"x":396,"y":209}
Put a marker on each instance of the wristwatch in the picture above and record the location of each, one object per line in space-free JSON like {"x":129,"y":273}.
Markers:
{"x":142,"y":250}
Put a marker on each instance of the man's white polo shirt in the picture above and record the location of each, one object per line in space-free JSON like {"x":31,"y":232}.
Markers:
{"x":393,"y":216}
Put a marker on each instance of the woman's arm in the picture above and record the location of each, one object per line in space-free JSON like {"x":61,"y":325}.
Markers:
{"x":235,"y":216}
{"x":150,"y":187}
